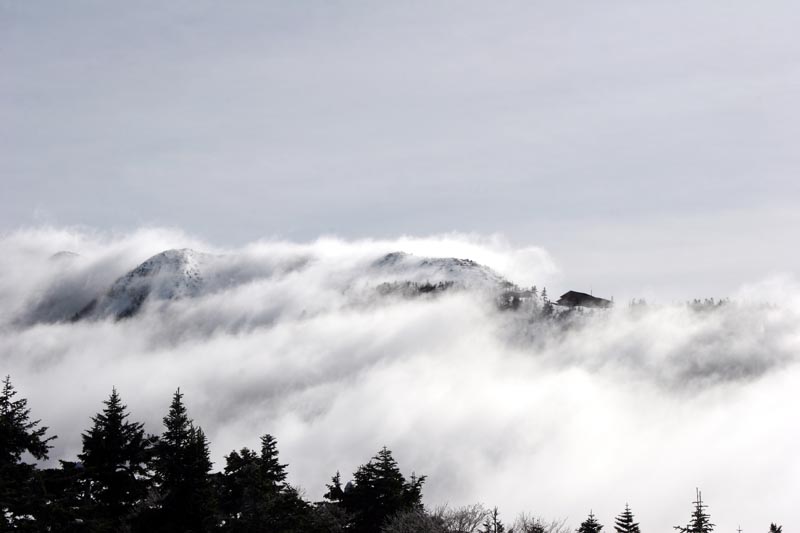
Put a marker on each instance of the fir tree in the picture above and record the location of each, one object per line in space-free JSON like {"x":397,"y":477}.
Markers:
{"x":701,"y":521}
{"x":173,"y":443}
{"x":775,"y":528}
{"x":66,"y":494}
{"x":272,"y":472}
{"x":18,"y":433}
{"x":256,"y":495}
{"x":335,"y":493}
{"x":20,"y":499}
{"x":547,"y":305}
{"x":182,"y":466}
{"x":115,"y":456}
{"x":590,"y":525}
{"x":378,"y":491}
{"x":624,"y":522}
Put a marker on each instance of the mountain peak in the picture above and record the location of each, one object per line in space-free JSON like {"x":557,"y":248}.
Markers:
{"x":168,"y":275}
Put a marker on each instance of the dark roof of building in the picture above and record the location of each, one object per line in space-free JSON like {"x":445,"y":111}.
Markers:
{"x":574,"y":299}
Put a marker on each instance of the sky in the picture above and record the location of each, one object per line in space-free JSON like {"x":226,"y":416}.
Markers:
{"x":648,"y":147}
{"x":627,"y":148}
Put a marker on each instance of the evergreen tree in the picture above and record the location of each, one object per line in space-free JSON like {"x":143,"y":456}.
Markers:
{"x":115,"y":457}
{"x":335,"y":492}
{"x":493,"y":524}
{"x":378,"y":491}
{"x":701,"y":521}
{"x":256,"y":495}
{"x":66,"y":493}
{"x":273,"y":473}
{"x":182,"y":466}
{"x":18,"y":433}
{"x":590,"y":525}
{"x":19,"y":497}
{"x":173,"y":443}
{"x":775,"y":528}
{"x":547,"y":305}
{"x":200,"y":493}
{"x":624,"y":522}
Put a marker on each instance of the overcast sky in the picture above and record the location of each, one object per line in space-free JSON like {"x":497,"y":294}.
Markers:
{"x":651,"y":148}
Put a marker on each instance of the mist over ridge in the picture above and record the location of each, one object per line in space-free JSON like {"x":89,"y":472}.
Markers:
{"x":296,"y":339}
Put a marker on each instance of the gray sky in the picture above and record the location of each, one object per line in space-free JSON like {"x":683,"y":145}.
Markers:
{"x":650,"y":147}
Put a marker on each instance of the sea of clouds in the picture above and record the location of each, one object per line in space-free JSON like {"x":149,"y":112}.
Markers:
{"x":635,"y":404}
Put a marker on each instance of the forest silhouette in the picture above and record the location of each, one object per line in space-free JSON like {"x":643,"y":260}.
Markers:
{"x":129,"y":481}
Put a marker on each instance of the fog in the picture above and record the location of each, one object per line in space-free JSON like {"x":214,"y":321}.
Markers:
{"x":634,"y":404}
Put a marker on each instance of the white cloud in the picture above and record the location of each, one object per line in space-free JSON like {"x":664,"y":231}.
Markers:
{"x":637,"y":405}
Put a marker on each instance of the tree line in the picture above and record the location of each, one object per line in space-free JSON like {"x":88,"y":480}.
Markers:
{"x":128,"y":481}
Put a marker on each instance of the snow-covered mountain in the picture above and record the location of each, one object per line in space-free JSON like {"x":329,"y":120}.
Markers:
{"x":185,"y":273}
{"x":170,"y":275}
{"x":461,"y":273}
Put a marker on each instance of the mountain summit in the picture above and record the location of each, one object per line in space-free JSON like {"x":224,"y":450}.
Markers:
{"x":169,"y":275}
{"x":185,"y":273}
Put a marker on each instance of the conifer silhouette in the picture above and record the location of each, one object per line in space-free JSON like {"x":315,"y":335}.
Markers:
{"x":19,"y":497}
{"x":115,"y":457}
{"x":700,"y":521}
{"x":624,"y":522}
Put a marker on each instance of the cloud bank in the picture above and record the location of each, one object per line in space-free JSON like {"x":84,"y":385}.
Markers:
{"x":635,"y":404}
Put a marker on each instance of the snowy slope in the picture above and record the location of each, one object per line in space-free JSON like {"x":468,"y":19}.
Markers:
{"x":170,"y":275}
{"x":462,"y":273}
{"x":181,"y":274}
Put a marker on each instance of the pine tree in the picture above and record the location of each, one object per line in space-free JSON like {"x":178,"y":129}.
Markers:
{"x":378,"y":491}
{"x":115,"y":457}
{"x":200,"y":497}
{"x":335,"y":492}
{"x":19,"y":498}
{"x":547,"y":305}
{"x":18,"y":433}
{"x":775,"y":528}
{"x":624,"y":522}
{"x":590,"y":525}
{"x":256,"y":495}
{"x":173,"y":443}
{"x":273,"y":473}
{"x":182,"y":466}
{"x":701,"y":521}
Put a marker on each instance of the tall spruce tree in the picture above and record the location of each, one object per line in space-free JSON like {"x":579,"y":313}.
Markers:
{"x":775,"y":528}
{"x":115,"y":457}
{"x":182,"y":466}
{"x":624,"y":522}
{"x":256,"y":496}
{"x":590,"y":525}
{"x":20,"y":500}
{"x":378,"y":491}
{"x":700,"y":521}
{"x":273,"y":473}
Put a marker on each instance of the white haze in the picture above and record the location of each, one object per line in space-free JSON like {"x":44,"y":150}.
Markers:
{"x":637,"y":405}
